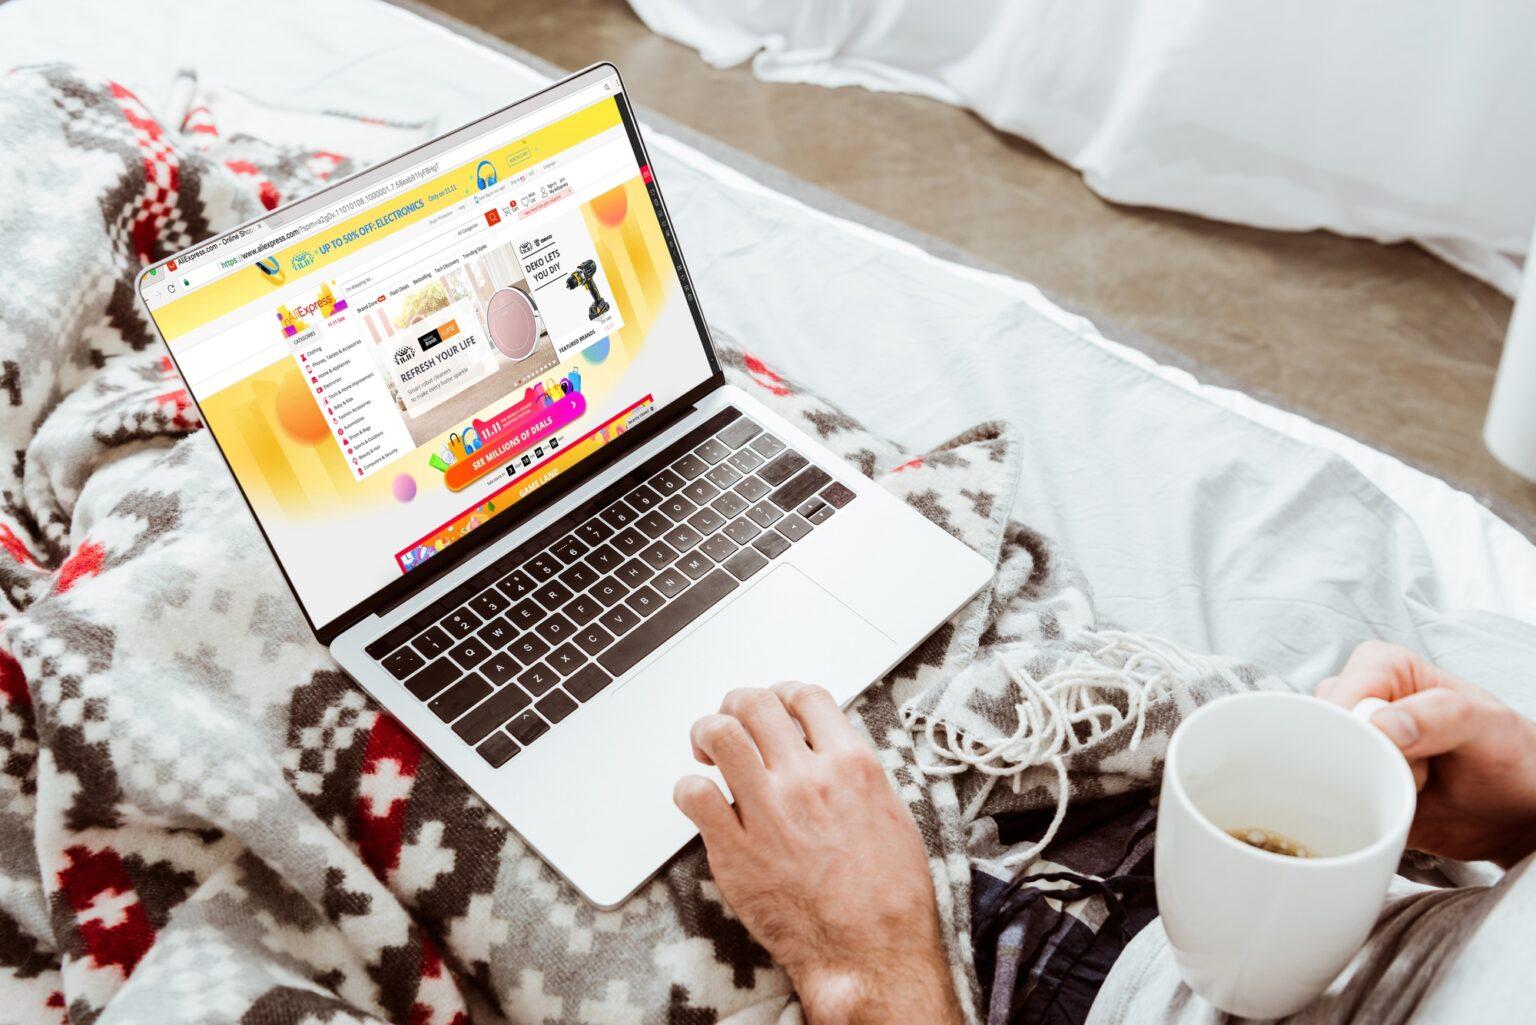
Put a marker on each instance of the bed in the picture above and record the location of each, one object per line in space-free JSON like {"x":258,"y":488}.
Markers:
{"x":1196,"y":511}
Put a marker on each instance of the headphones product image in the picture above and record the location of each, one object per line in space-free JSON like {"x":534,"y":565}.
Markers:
{"x":485,"y":175}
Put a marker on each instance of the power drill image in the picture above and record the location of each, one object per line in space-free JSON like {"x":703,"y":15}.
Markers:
{"x":585,"y":275}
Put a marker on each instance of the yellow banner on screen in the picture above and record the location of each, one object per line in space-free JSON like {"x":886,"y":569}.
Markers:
{"x":332,"y":242}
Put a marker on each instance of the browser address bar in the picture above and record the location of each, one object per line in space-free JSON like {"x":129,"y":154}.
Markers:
{"x":452,"y":158}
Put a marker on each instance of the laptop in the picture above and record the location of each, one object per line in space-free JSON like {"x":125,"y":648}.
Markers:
{"x":472,"y":402}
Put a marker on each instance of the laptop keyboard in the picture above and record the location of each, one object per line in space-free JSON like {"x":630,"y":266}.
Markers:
{"x":520,"y":646}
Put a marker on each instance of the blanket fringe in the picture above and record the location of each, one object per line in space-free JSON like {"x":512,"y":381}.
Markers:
{"x":1060,"y":714}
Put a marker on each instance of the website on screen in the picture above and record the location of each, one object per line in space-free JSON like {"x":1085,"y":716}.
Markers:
{"x":392,"y":373}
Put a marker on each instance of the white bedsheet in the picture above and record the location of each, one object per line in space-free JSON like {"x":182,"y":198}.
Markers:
{"x":1375,"y":118}
{"x":1196,"y":511}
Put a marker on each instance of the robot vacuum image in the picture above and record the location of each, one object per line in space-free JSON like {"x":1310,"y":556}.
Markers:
{"x":512,"y":322}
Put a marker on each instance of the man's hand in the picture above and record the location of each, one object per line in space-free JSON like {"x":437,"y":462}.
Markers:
{"x":819,"y":858}
{"x":1473,"y":757}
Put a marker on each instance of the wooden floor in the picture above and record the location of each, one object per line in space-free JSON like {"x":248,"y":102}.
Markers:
{"x":1384,"y":343}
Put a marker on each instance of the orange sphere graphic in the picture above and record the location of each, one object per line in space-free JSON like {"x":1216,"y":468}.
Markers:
{"x":297,"y":413}
{"x":611,"y":206}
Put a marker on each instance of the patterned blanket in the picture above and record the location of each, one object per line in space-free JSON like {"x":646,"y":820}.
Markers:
{"x":203,"y":820}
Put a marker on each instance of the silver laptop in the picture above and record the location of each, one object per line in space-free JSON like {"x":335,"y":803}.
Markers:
{"x":471,"y":400}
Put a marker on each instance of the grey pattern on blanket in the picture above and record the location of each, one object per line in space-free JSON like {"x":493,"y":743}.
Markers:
{"x":202,"y":820}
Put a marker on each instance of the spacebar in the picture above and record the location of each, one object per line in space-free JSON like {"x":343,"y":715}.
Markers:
{"x":653,"y":633}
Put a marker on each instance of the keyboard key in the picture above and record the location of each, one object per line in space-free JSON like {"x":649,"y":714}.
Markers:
{"x":381,"y":646}
{"x":816,"y":511}
{"x":746,"y":460}
{"x":620,"y":619}
{"x":654,"y":524}
{"x":593,"y":639}
{"x":618,"y":515}
{"x":658,"y":555}
{"x":556,"y":706}
{"x":699,"y":492}
{"x":491,"y":713}
{"x":497,"y":633}
{"x":578,"y":577}
{"x":459,"y":698}
{"x":802,"y":486}
{"x":568,"y":549}
{"x":767,"y":446}
{"x":586,"y":684}
{"x":695,"y":564}
{"x":657,"y":630}
{"x":499,"y":668}
{"x":432,"y":642}
{"x":634,"y":573}
{"x":706,"y":521}
{"x":643,"y":499}
{"x":528,"y":648}
{"x":517,"y":586}
{"x":666,"y":483}
{"x":526,"y":613}
{"x":723,"y":476}
{"x":644,"y":601}
{"x":682,"y":537}
{"x":784,"y":467}
{"x":542,"y":566}
{"x":745,"y":563}
{"x":604,"y":559}
{"x":608,"y":591}
{"x":712,"y":451}
{"x":730,"y":505}
{"x":837,"y":494}
{"x":553,"y":594}
{"x":719,"y":547}
{"x":763,"y":514}
{"x":460,"y":622}
{"x":471,"y":653}
{"x":742,"y":531}
{"x":594,"y":531}
{"x":538,"y":678}
{"x":433,"y":679}
{"x":498,"y":749}
{"x":489,"y":603}
{"x":583,"y":610}
{"x":631,"y":541}
{"x":690,"y":466}
{"x":739,"y":433}
{"x":752,"y":489}
{"x":772,"y":544}
{"x":793,"y":527}
{"x":555,"y":629}
{"x":528,"y":727}
{"x":403,"y":663}
{"x":680,"y":507}
{"x":671,"y":582}
{"x":566,"y":659}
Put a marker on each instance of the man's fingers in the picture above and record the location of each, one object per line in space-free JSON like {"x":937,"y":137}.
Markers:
{"x":777,"y":737}
{"x":1431,"y":722}
{"x":706,"y":807}
{"x":813,"y":707}
{"x":722,"y":741}
{"x":1377,"y":669}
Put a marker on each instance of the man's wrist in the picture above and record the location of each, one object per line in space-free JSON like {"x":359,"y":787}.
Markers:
{"x":891,"y":993}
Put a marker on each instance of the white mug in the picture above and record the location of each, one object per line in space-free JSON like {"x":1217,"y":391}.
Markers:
{"x":1260,"y":934}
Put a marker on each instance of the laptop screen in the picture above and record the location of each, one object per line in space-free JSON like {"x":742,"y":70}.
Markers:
{"x":394,"y":363}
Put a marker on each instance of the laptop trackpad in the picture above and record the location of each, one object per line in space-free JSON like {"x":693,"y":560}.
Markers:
{"x":787,"y":627}
{"x":635,"y":746}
